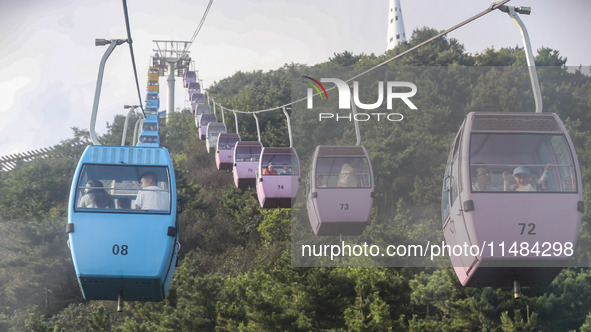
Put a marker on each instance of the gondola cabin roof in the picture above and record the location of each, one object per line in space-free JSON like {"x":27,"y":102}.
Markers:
{"x":125,"y":155}
{"x":230,"y":136}
{"x":514,"y":122}
{"x":194,"y":86}
{"x":340,"y":151}
{"x":216,"y":128}
{"x":197,"y":97}
{"x":242,"y":144}
{"x":202,"y":109}
{"x":190,"y":76}
{"x":208,"y":118}
{"x":216,"y":125}
{"x":279,"y":151}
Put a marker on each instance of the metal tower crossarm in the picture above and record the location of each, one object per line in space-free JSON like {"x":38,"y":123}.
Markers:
{"x":171,"y":55}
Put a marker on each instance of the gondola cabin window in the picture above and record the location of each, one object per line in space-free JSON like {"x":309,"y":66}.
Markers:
{"x":214,"y":131}
{"x":248,"y":153}
{"x":343,"y":172}
{"x":283,"y":164}
{"x":498,"y":160}
{"x":117,"y":189}
{"x":227,"y":143}
{"x":148,"y":139}
{"x":153,"y":126}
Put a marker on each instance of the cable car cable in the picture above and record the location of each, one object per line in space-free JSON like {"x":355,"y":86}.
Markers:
{"x":199,"y":26}
{"x":137,"y":84}
{"x":491,"y":8}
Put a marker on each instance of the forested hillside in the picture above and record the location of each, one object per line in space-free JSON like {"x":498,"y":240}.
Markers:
{"x":236,"y":267}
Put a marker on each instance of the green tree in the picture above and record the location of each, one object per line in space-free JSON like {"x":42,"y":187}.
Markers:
{"x":502,"y":57}
{"x":345,"y":58}
{"x":37,"y":190}
{"x":549,"y":57}
{"x":372,"y":310}
{"x":518,"y":323}
{"x":275,"y":225}
{"x":440,"y":52}
{"x":114,"y":132}
{"x":99,"y":321}
{"x":36,"y":323}
{"x":586,"y":327}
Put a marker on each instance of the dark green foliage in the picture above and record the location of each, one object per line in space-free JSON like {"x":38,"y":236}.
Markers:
{"x":115,"y":129}
{"x":275,"y":225}
{"x":178,"y":133}
{"x":502,"y":57}
{"x":35,"y":268}
{"x":99,"y":321}
{"x":37,"y":190}
{"x":518,"y":323}
{"x":440,"y":52}
{"x":549,"y":57}
{"x":345,"y":59}
{"x":235,"y":268}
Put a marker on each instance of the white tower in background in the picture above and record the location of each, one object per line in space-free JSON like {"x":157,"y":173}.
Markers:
{"x":396,"y":32}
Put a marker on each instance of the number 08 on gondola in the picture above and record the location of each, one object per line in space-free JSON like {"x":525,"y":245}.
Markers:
{"x":122,"y":227}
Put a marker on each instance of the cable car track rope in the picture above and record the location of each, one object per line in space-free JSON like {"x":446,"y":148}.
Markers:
{"x":491,"y":8}
{"x":137,"y":84}
{"x":200,"y":25}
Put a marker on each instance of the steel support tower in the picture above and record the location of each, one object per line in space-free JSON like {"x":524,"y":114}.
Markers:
{"x":171,"y":56}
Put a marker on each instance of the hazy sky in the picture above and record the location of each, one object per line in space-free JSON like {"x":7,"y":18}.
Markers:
{"x":49,"y":64}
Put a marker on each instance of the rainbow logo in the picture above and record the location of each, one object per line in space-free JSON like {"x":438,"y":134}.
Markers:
{"x":316,"y":87}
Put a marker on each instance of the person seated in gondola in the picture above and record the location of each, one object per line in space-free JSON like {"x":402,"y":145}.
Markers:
{"x":270,"y":170}
{"x":286,"y":170}
{"x":86,"y":199}
{"x":523,"y":176}
{"x":151,"y":196}
{"x":320,"y":181}
{"x":95,"y":196}
{"x":349,"y":176}
{"x":481,"y":179}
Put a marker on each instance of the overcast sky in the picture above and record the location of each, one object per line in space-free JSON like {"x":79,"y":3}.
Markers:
{"x":49,"y":64}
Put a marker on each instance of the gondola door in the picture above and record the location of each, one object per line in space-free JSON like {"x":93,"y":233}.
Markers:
{"x":454,"y":226}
